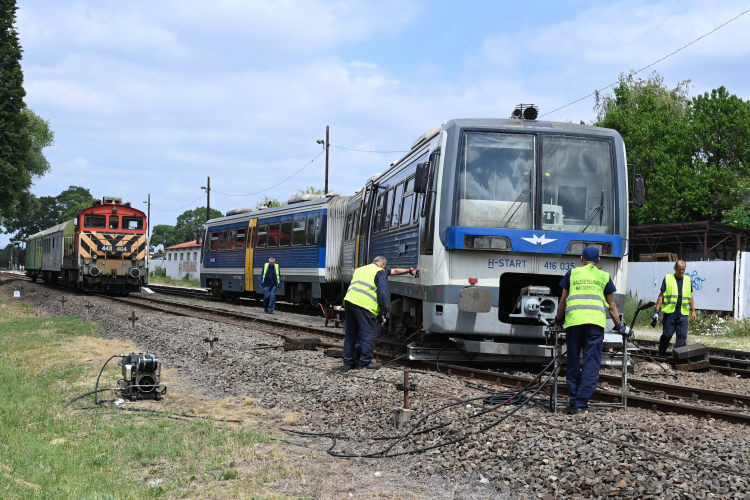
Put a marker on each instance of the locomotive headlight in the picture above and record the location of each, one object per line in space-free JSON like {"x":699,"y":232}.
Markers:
{"x":487,"y":243}
{"x":94,"y":256}
{"x":86,"y":261}
{"x":576,"y":247}
{"x":134,"y":257}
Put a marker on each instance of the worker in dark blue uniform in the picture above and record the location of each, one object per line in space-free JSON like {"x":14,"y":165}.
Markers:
{"x":676,"y":295}
{"x":270,"y":280}
{"x":588,"y":294}
{"x":365,"y":303}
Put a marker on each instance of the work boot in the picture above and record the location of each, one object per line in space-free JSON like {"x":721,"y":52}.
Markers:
{"x":373,"y":366}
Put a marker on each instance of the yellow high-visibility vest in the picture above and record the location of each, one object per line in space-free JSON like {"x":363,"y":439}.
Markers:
{"x":362,"y":290}
{"x":670,"y":295}
{"x":585,"y":304}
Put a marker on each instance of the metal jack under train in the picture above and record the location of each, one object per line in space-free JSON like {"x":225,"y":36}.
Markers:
{"x":492,"y":212}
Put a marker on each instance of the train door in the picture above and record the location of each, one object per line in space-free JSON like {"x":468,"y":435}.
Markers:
{"x":249,"y":248}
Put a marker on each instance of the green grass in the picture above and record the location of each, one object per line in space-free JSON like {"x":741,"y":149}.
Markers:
{"x":644,"y":317}
{"x":164,"y":280}
{"x":48,"y":451}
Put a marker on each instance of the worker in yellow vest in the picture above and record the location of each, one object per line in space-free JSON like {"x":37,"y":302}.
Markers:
{"x":588,"y":294}
{"x":675,"y":296}
{"x":270,"y":280}
{"x":366,"y":301}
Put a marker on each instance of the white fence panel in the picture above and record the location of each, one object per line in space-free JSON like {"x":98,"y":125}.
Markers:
{"x":713,"y":282}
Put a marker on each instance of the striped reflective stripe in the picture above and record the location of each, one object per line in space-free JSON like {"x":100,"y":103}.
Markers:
{"x":364,"y":284}
{"x":365,"y":292}
{"x":585,"y":306}
{"x":583,"y":296}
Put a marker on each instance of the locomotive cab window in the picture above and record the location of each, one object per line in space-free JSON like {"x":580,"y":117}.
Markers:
{"x":262,"y":237}
{"x":232,"y":240}
{"x":94,"y":221}
{"x":298,"y":236}
{"x":114,"y":222}
{"x":240,"y":245}
{"x":132,"y":223}
{"x":495,"y":182}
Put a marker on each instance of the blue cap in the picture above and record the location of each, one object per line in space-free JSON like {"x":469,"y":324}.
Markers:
{"x":590,"y":254}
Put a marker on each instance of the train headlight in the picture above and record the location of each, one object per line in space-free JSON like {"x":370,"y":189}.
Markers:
{"x":94,"y":256}
{"x":487,"y":243}
{"x":86,"y":261}
{"x":134,"y":257}
{"x":576,"y":247}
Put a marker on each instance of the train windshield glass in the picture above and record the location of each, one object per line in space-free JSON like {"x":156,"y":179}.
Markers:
{"x":577,"y":185}
{"x":95,"y":221}
{"x":134,"y":223}
{"x":496,"y":176}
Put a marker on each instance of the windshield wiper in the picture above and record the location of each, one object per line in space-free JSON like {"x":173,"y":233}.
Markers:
{"x":598,"y":210}
{"x":527,"y":192}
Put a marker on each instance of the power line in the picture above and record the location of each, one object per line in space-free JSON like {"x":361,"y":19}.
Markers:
{"x":364,"y":151}
{"x":653,"y":63}
{"x":277,"y":184}
{"x":180,"y":208}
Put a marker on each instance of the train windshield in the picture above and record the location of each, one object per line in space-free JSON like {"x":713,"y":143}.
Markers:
{"x":496,"y":179}
{"x":577,"y":185}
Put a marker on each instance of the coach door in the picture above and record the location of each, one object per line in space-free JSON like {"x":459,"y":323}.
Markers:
{"x":249,"y":247}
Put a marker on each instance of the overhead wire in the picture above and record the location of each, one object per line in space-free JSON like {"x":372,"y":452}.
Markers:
{"x":652,"y":64}
{"x":178,"y":208}
{"x":366,"y":151}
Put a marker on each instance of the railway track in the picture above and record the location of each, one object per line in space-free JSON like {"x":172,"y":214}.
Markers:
{"x":645,"y":394}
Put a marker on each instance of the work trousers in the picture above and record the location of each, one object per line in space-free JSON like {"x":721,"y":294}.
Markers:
{"x":673,"y":322}
{"x":269,"y":298}
{"x":359,"y":337}
{"x":582,"y":379}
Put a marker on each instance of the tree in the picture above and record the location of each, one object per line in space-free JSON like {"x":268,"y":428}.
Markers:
{"x":5,"y":254}
{"x":310,"y":190}
{"x":190,"y":224}
{"x":163,"y":234}
{"x":268,"y":202}
{"x":72,"y":201}
{"x":15,"y":141}
{"x":694,"y":154}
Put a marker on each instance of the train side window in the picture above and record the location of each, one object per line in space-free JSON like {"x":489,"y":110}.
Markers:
{"x":222,"y":240}
{"x":406,"y":211}
{"x":240,"y":245}
{"x":355,"y":224}
{"x":387,"y":211}
{"x":232,"y":239}
{"x":286,"y":233}
{"x":273,"y":235}
{"x":317,"y":230}
{"x":94,"y":221}
{"x":398,"y":199}
{"x":262,"y":237}
{"x":348,"y":227}
{"x":310,"y":230}
{"x":379,"y":213}
{"x":298,"y":234}
{"x":132,"y":223}
{"x":114,"y":222}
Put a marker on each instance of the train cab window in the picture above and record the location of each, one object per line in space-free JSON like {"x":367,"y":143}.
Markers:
{"x":114,"y":222}
{"x":222,"y":240}
{"x":94,"y":221}
{"x":406,"y":210}
{"x":214,"y":241}
{"x":232,"y":240}
{"x":310,"y":230}
{"x":379,"y":213}
{"x":286,"y":233}
{"x":132,"y":223}
{"x":317,"y":230}
{"x":262,"y":237}
{"x":240,"y":245}
{"x":298,"y":232}
{"x":398,"y":199}
{"x":273,"y":235}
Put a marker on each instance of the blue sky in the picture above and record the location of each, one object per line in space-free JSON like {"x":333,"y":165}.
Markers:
{"x":152,"y":97}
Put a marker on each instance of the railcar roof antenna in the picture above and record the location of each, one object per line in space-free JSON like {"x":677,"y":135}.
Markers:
{"x":525,"y":112}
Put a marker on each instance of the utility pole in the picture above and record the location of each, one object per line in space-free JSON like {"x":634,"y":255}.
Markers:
{"x":148,"y":218}
{"x":208,"y":200}
{"x":325,"y":191}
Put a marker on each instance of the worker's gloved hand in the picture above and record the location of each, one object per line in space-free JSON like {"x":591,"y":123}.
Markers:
{"x":411,"y":271}
{"x":621,"y":328}
{"x":559,"y":321}
{"x":654,"y":319}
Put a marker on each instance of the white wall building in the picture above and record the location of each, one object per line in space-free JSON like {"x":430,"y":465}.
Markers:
{"x":183,"y":259}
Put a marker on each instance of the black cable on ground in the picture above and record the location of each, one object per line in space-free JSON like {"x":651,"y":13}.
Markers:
{"x":652,"y":359}
{"x":96,"y":387}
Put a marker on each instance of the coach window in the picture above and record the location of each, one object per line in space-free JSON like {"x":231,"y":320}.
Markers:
{"x":114,"y":222}
{"x":95,"y":221}
{"x":232,"y":240}
{"x":222,"y":240}
{"x":273,"y":235}
{"x":286,"y":233}
{"x":262,"y":237}
{"x":379,"y":213}
{"x":298,"y":233}
{"x":214,"y":241}
{"x":398,"y":199}
{"x":408,"y":202}
{"x":132,"y":223}
{"x":240,"y":245}
{"x":317,"y":230}
{"x":387,"y":211}
{"x":310,"y":230}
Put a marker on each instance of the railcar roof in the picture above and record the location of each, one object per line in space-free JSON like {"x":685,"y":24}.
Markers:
{"x":294,"y":207}
{"x":53,"y":229}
